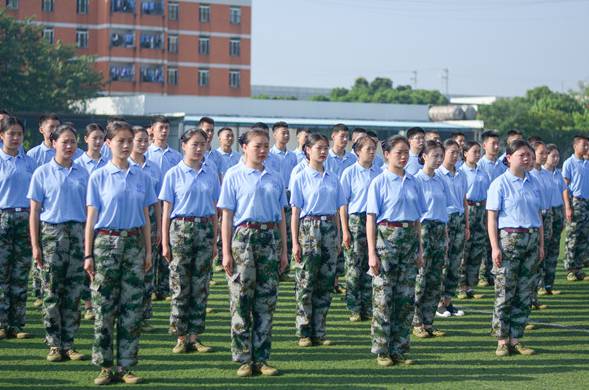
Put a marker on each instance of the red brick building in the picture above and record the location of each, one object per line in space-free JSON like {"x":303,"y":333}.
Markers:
{"x":173,"y":47}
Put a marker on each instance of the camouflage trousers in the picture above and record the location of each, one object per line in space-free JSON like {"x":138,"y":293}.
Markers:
{"x":552,"y":248}
{"x":315,"y":275}
{"x":393,"y":290}
{"x":454,"y":253}
{"x":486,"y":269}
{"x":190,"y":269}
{"x":475,"y":249}
{"x":288,"y":215}
{"x":514,"y":282}
{"x":15,"y":264}
{"x":117,"y":298}
{"x":577,"y":236}
{"x":150,"y":274}
{"x":429,"y":281}
{"x":37,"y":280}
{"x":63,"y":277}
{"x":547,"y":222}
{"x":358,"y":282}
{"x":253,"y":292}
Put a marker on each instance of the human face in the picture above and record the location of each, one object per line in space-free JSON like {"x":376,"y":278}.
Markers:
{"x":161,"y":131}
{"x":514,"y":137}
{"x":473,"y":155}
{"x":541,"y":154}
{"x":398,"y":156}
{"x":209,"y":130}
{"x":12,"y":139}
{"x":256,"y":150}
{"x":140,"y":142}
{"x":355,"y":136}
{"x":121,"y":144}
{"x":302,"y":138}
{"x":434,"y":158}
{"x":459,"y":140}
{"x":281,"y":135}
{"x":491,"y":146}
{"x":553,"y":159}
{"x":451,"y":155}
{"x":226,"y":139}
{"x":194,"y":148}
{"x":318,"y":152}
{"x":520,"y":160}
{"x":367,"y":152}
{"x":416,"y":142}
{"x":47,"y":127}
{"x":340,"y":139}
{"x":581,"y":147}
{"x":432,"y":136}
{"x":94,"y":140}
{"x":65,"y":146}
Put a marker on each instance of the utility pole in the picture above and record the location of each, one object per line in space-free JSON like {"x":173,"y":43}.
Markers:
{"x":445,"y":78}
{"x":414,"y":79}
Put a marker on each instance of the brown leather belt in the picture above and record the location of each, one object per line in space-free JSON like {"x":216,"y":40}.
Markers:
{"x":119,"y":233}
{"x":319,"y":217}
{"x":520,"y":230}
{"x":15,"y":210}
{"x":478,"y":204}
{"x":394,"y":224}
{"x":259,"y":225}
{"x":195,"y":219}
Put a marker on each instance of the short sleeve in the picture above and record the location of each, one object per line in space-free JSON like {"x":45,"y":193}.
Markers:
{"x":36,"y":192}
{"x":346,"y":185}
{"x":167,"y":190}
{"x":296,"y":195}
{"x":283,"y":201}
{"x":216,"y":188}
{"x":372,"y":202}
{"x":150,"y":195}
{"x":341,"y":199}
{"x":93,"y":194}
{"x":228,"y":196}
{"x":495,"y":196}
{"x":567,"y":171}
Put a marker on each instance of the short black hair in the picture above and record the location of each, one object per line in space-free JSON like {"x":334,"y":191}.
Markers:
{"x":579,"y":137}
{"x":278,"y":125}
{"x":359,"y":130}
{"x":260,"y":126}
{"x":511,"y":133}
{"x":489,"y":134}
{"x":303,"y":130}
{"x":92,"y":127}
{"x":10,"y":121}
{"x":115,"y":118}
{"x":340,"y":127}
{"x":4,"y":112}
{"x":206,"y":119}
{"x":160,"y":119}
{"x":54,"y":136}
{"x":222,"y":129}
{"x":372,"y":134}
{"x":457,"y":134}
{"x":414,"y":131}
{"x":534,"y":139}
{"x":46,"y":117}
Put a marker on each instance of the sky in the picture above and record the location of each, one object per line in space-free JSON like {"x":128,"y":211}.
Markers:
{"x":490,"y":47}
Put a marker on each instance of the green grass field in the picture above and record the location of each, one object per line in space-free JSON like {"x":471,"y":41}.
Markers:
{"x":464,"y":359}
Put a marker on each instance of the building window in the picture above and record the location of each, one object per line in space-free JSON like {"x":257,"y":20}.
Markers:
{"x":152,"y":74}
{"x":152,"y":7}
{"x":48,"y":34}
{"x":12,"y":4}
{"x":235,"y":15}
{"x":152,"y":40}
{"x":173,"y":43}
{"x":122,"y":39}
{"x":123,"y":6}
{"x":234,"y":78}
{"x":47,"y":5}
{"x":173,"y":76}
{"x":203,"y":77}
{"x":204,"y":46}
{"x":82,"y":7}
{"x":82,"y":39}
{"x":204,"y":13}
{"x":173,"y":11}
{"x":235,"y":47}
{"x":122,"y":72}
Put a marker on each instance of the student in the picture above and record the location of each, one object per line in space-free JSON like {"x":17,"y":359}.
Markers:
{"x":57,"y":196}
{"x":137,"y":158}
{"x":16,"y":170}
{"x":355,"y":181}
{"x":559,"y":193}
{"x":357,"y":133}
{"x":394,"y":208}
{"x":302,"y":135}
{"x":475,"y":248}
{"x":416,"y":137}
{"x":378,"y":160}
{"x":316,"y":200}
{"x":511,"y":136}
{"x":229,"y":157}
{"x":253,"y":201}
{"x":339,"y":159}
{"x":517,"y":242}
{"x":117,"y":250}
{"x":432,"y":135}
{"x":459,"y":138}
{"x":92,"y":159}
{"x":44,"y":152}
{"x":190,"y":192}
{"x":458,"y":227}
{"x":212,"y":156}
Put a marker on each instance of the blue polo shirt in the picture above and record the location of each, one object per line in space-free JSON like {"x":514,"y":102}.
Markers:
{"x":337,"y":164}
{"x":543,"y":180}
{"x":437,"y":197}
{"x":252,"y":196}
{"x":491,"y":168}
{"x":556,"y":187}
{"x":355,"y":182}
{"x":413,"y":166}
{"x":517,"y":201}
{"x":577,"y":172}
{"x":396,"y":198}
{"x":316,"y":193}
{"x":105,"y":152}
{"x":296,"y":170}
{"x":120,"y":196}
{"x":151,"y":170}
{"x":288,"y":161}
{"x":228,"y":160}
{"x":15,"y":177}
{"x":89,"y":164}
{"x":457,"y":187}
{"x":300,"y":155}
{"x":165,"y":159}
{"x":61,"y":192}
{"x":477,"y":183}
{"x":42,"y":154}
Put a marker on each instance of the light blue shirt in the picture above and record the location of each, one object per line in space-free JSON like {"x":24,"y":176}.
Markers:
{"x":300,"y":155}
{"x":295,"y":171}
{"x":459,"y":163}
{"x":477,"y":183}
{"x":154,"y":173}
{"x":214,"y":157}
{"x":273,"y":163}
{"x":228,"y":160}
{"x":61,"y":192}
{"x":43,"y":154}
{"x":15,"y":177}
{"x":556,"y":187}
{"x":492,"y":169}
{"x":89,"y":164}
{"x":191,"y":193}
{"x":457,"y":188}
{"x":120,"y":196}
{"x":377,"y":162}
{"x":165,"y":159}
{"x":517,"y":201}
{"x":355,"y":181}
{"x":21,"y":149}
{"x":543,"y":179}
{"x":413,"y":166}
{"x":105,"y":152}
{"x":437,"y":196}
{"x":395,"y":198}
{"x":288,"y":161}
{"x":337,"y":164}
{"x":577,"y":172}
{"x":316,"y":193}
{"x":252,"y":196}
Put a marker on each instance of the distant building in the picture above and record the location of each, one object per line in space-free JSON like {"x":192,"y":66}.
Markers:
{"x":300,"y":93}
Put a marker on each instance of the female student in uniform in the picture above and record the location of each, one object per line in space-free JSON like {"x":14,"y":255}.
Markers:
{"x":117,"y":252}
{"x":252,"y":201}
{"x":355,"y":181}
{"x":189,"y":193}
{"x":92,"y":159}
{"x":476,"y":196}
{"x":16,"y":170}
{"x":58,"y":211}
{"x":394,"y":208}
{"x":428,"y":285}
{"x":517,"y":246}
{"x":316,"y":199}
{"x":137,"y":158}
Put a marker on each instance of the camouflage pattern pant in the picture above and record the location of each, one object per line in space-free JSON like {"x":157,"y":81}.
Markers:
{"x":150,"y":274}
{"x":428,"y":284}
{"x":547,"y":222}
{"x":393,"y":290}
{"x":253,"y":291}
{"x":315,"y":276}
{"x":63,"y":278}
{"x":37,"y":280}
{"x":15,"y":265}
{"x":486,"y":269}
{"x":358,"y":283}
{"x":577,"y":236}
{"x":190,"y":271}
{"x":288,"y":215}
{"x":117,"y":298}
{"x":475,"y":249}
{"x":456,"y":238}
{"x":552,"y":248}
{"x":514,"y":282}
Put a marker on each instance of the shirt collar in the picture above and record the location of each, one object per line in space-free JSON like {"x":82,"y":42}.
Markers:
{"x":45,"y":147}
{"x":514,"y":178}
{"x":6,"y":156}
{"x":112,"y":168}
{"x":393,"y":176}
{"x":154,"y":147}
{"x":187,"y":168}
{"x":55,"y":165}
{"x":316,"y":173}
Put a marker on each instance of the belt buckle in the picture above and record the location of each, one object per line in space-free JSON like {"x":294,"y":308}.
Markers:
{"x":530,"y":230}
{"x":18,"y":209}
{"x":124,"y":233}
{"x":324,"y":218}
{"x":405,"y":225}
{"x":264,"y":226}
{"x":198,"y":219}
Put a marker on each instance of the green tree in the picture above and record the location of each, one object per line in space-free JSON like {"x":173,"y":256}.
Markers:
{"x":37,"y":76}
